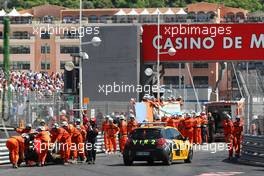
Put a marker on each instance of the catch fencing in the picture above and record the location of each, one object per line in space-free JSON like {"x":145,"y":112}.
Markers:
{"x":30,"y":107}
{"x":253,"y":150}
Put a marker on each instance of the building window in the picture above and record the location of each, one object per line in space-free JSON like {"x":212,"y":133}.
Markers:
{"x":18,"y":65}
{"x":20,"y":35}
{"x":62,"y":64}
{"x":172,"y":80}
{"x":45,"y":65}
{"x":92,"y":19}
{"x":70,"y":34}
{"x":45,"y":35}
{"x":20,"y":49}
{"x":45,"y":49}
{"x":200,"y":65}
{"x":69,"y":49}
{"x":47,"y":19}
{"x":104,"y":18}
{"x":174,"y":65}
{"x":200,"y":81}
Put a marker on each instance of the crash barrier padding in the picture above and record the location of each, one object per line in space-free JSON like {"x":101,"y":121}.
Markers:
{"x":4,"y":154}
{"x":252,"y":150}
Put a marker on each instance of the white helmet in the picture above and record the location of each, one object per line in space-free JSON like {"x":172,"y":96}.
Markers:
{"x":122,"y":117}
{"x":255,"y":117}
{"x":41,"y":128}
{"x":42,"y":121}
{"x":29,"y":125}
{"x":78,"y":120}
{"x":64,"y":124}
{"x":63,"y":112}
{"x":131,"y":116}
{"x":55,"y":125}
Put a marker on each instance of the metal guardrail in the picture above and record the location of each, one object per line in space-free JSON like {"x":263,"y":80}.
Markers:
{"x":253,"y":150}
{"x":4,"y":154}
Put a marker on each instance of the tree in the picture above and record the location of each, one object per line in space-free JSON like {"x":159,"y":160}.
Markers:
{"x":103,"y":4}
{"x":157,"y":3}
{"x":121,"y":3}
{"x":88,"y":4}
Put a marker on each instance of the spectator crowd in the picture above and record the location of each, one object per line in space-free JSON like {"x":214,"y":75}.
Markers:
{"x":27,"y":81}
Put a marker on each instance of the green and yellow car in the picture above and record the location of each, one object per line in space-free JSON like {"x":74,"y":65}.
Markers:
{"x":157,"y":143}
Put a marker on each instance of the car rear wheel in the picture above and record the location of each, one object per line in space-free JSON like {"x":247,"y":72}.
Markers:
{"x":190,"y":156}
{"x":168,"y":159}
{"x":127,"y":158}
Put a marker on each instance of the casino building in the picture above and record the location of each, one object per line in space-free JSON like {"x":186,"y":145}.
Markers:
{"x":33,"y":47}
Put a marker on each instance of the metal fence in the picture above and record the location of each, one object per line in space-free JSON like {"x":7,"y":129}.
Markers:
{"x":252,"y":150}
{"x":252,"y":83}
{"x":31,"y":107}
{"x":100,"y":108}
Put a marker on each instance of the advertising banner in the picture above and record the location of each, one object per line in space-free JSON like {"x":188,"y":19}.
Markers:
{"x":204,"y":42}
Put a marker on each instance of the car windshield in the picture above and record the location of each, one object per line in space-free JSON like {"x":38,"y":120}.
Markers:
{"x":146,"y":134}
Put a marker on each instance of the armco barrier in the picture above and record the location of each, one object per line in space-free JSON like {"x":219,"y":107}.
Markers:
{"x":252,"y":150}
{"x":4,"y":154}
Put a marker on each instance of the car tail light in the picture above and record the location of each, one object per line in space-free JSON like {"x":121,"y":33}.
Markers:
{"x":160,"y":142}
{"x":129,"y":141}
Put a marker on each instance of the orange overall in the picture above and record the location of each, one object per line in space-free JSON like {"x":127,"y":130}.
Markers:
{"x":111,"y":132}
{"x":84,"y":133}
{"x":123,"y":135}
{"x":131,"y":125}
{"x":197,"y":130}
{"x":238,"y":129}
{"x":105,"y":126}
{"x":170,"y":122}
{"x":77,"y":141}
{"x":181,"y":126}
{"x":44,"y":137}
{"x":64,"y":138}
{"x":15,"y":145}
{"x":229,"y":129}
{"x":188,"y":128}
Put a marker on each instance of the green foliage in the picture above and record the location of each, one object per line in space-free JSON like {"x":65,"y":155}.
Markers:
{"x":251,"y":5}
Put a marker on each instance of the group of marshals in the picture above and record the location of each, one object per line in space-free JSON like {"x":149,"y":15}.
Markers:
{"x":65,"y":135}
{"x":117,"y":129}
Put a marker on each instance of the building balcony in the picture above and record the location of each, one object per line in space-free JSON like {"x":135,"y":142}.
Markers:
{"x":20,"y":39}
{"x":69,"y":40}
